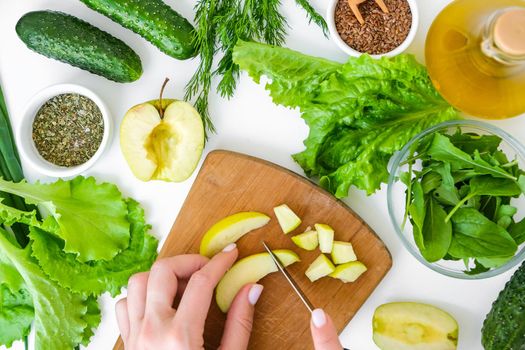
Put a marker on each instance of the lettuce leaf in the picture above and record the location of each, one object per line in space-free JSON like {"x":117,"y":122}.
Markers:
{"x":59,"y":315}
{"x":91,"y":216}
{"x":359,"y":113}
{"x":16,"y":314}
{"x":94,"y":278}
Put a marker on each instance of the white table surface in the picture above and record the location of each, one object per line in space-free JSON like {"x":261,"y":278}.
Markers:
{"x":248,"y":123}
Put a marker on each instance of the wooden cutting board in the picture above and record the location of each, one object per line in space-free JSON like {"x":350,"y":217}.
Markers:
{"x":230,"y":182}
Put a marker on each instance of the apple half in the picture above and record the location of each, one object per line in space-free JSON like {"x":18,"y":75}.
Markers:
{"x":162,"y":140}
{"x":249,"y":270}
{"x":414,"y":326}
{"x":230,"y":230}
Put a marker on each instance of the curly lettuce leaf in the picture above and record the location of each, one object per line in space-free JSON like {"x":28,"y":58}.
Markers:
{"x":94,"y":278}
{"x":59,"y":315}
{"x":359,"y":112}
{"x":92,"y":317}
{"x":91,"y":216}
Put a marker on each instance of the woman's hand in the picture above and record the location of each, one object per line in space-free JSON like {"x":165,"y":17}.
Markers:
{"x":148,"y":319}
{"x":324,"y":332}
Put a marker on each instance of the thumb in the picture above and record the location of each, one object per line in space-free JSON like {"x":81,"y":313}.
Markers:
{"x":324,"y":333}
{"x":240,"y":318}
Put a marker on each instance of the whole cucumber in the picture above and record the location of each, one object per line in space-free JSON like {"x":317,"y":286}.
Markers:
{"x":154,"y":21}
{"x":504,"y":326}
{"x":69,"y":39}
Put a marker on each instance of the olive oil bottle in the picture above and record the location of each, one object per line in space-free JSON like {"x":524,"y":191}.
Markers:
{"x":475,"y":53}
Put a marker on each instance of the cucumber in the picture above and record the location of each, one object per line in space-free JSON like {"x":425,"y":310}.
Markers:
{"x":69,"y":39}
{"x":504,"y":326}
{"x":154,"y":21}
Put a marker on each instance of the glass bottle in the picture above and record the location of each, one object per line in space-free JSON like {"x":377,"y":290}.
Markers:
{"x":475,"y":53}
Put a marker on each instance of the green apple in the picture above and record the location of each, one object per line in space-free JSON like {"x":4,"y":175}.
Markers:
{"x":288,"y":220}
{"x":342,"y":252}
{"x":230,"y":230}
{"x":320,"y":267}
{"x":349,"y":272}
{"x":249,"y":270}
{"x":326,"y":237}
{"x":414,"y":326}
{"x":307,"y":240}
{"x":162,"y":139}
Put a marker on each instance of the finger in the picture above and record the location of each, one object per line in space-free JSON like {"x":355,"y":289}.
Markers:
{"x":195,"y":302}
{"x":324,"y":333}
{"x":121,"y":310}
{"x":163,"y":282}
{"x":137,"y":289}
{"x":239,"y":323}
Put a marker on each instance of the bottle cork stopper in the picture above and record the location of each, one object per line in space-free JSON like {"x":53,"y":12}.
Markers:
{"x":509,"y":32}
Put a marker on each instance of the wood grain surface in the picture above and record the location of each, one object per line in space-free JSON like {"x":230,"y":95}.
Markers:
{"x":230,"y":182}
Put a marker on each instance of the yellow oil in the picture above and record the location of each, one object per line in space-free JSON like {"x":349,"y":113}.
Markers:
{"x":467,"y":78}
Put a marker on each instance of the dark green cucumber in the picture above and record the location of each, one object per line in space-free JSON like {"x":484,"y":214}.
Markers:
{"x":69,"y":39}
{"x":504,"y":326}
{"x":154,"y":21}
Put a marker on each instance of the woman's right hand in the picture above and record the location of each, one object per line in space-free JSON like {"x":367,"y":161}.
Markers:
{"x":323,"y":331}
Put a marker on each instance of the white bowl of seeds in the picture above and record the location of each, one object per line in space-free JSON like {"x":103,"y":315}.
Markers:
{"x":382,"y":33}
{"x":64,"y":130}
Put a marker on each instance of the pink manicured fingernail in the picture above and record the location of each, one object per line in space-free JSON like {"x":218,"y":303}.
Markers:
{"x":229,"y":247}
{"x":255,"y":293}
{"x":318,"y":318}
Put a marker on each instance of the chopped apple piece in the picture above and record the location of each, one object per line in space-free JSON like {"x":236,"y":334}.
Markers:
{"x":326,"y":237}
{"x":349,"y":272}
{"x":414,"y":326}
{"x":287,"y":218}
{"x":230,"y":230}
{"x":307,"y":240}
{"x":249,"y":270}
{"x":321,"y":267}
{"x":342,"y":252}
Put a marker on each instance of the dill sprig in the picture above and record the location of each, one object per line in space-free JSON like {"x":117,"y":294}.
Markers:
{"x":220,"y":24}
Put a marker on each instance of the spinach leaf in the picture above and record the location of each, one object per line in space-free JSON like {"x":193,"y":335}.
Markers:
{"x":469,"y":142}
{"x":490,"y":186}
{"x":446,"y":193}
{"x":430,"y":182}
{"x":476,"y":236}
{"x":443,"y":150}
{"x":517,"y":231}
{"x":417,"y":211}
{"x":437,"y":234}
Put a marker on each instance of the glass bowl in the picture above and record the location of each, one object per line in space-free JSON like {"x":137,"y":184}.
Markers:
{"x":397,"y":199}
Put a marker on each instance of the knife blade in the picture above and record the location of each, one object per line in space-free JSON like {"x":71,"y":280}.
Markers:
{"x":289,"y":278}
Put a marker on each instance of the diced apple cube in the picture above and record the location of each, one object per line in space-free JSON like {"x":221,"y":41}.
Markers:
{"x":288,"y":220}
{"x":307,"y":240}
{"x":321,"y":267}
{"x":342,"y":252}
{"x":326,"y":237}
{"x":349,"y":272}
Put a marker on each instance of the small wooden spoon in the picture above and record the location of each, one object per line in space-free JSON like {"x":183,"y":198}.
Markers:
{"x":355,"y":9}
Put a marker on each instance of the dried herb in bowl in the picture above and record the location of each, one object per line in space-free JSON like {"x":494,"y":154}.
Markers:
{"x":68,"y":130}
{"x":381,"y":32}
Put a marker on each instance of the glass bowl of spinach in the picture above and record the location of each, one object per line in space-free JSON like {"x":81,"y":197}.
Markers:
{"x":456,"y":199}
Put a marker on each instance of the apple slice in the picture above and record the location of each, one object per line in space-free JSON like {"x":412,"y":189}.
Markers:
{"x":249,"y":270}
{"x":230,"y":230}
{"x":288,"y":220}
{"x":162,"y":139}
{"x":349,"y":272}
{"x":414,"y":326}
{"x":342,"y":252}
{"x":326,"y":237}
{"x":307,"y":240}
{"x":321,"y":267}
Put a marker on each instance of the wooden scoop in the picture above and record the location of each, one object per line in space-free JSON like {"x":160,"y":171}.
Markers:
{"x":355,"y":9}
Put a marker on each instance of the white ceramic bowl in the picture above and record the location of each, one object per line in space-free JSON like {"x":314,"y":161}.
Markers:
{"x":26,"y":145}
{"x":352,"y":52}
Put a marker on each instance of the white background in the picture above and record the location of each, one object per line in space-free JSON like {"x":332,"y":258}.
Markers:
{"x":248,"y":123}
